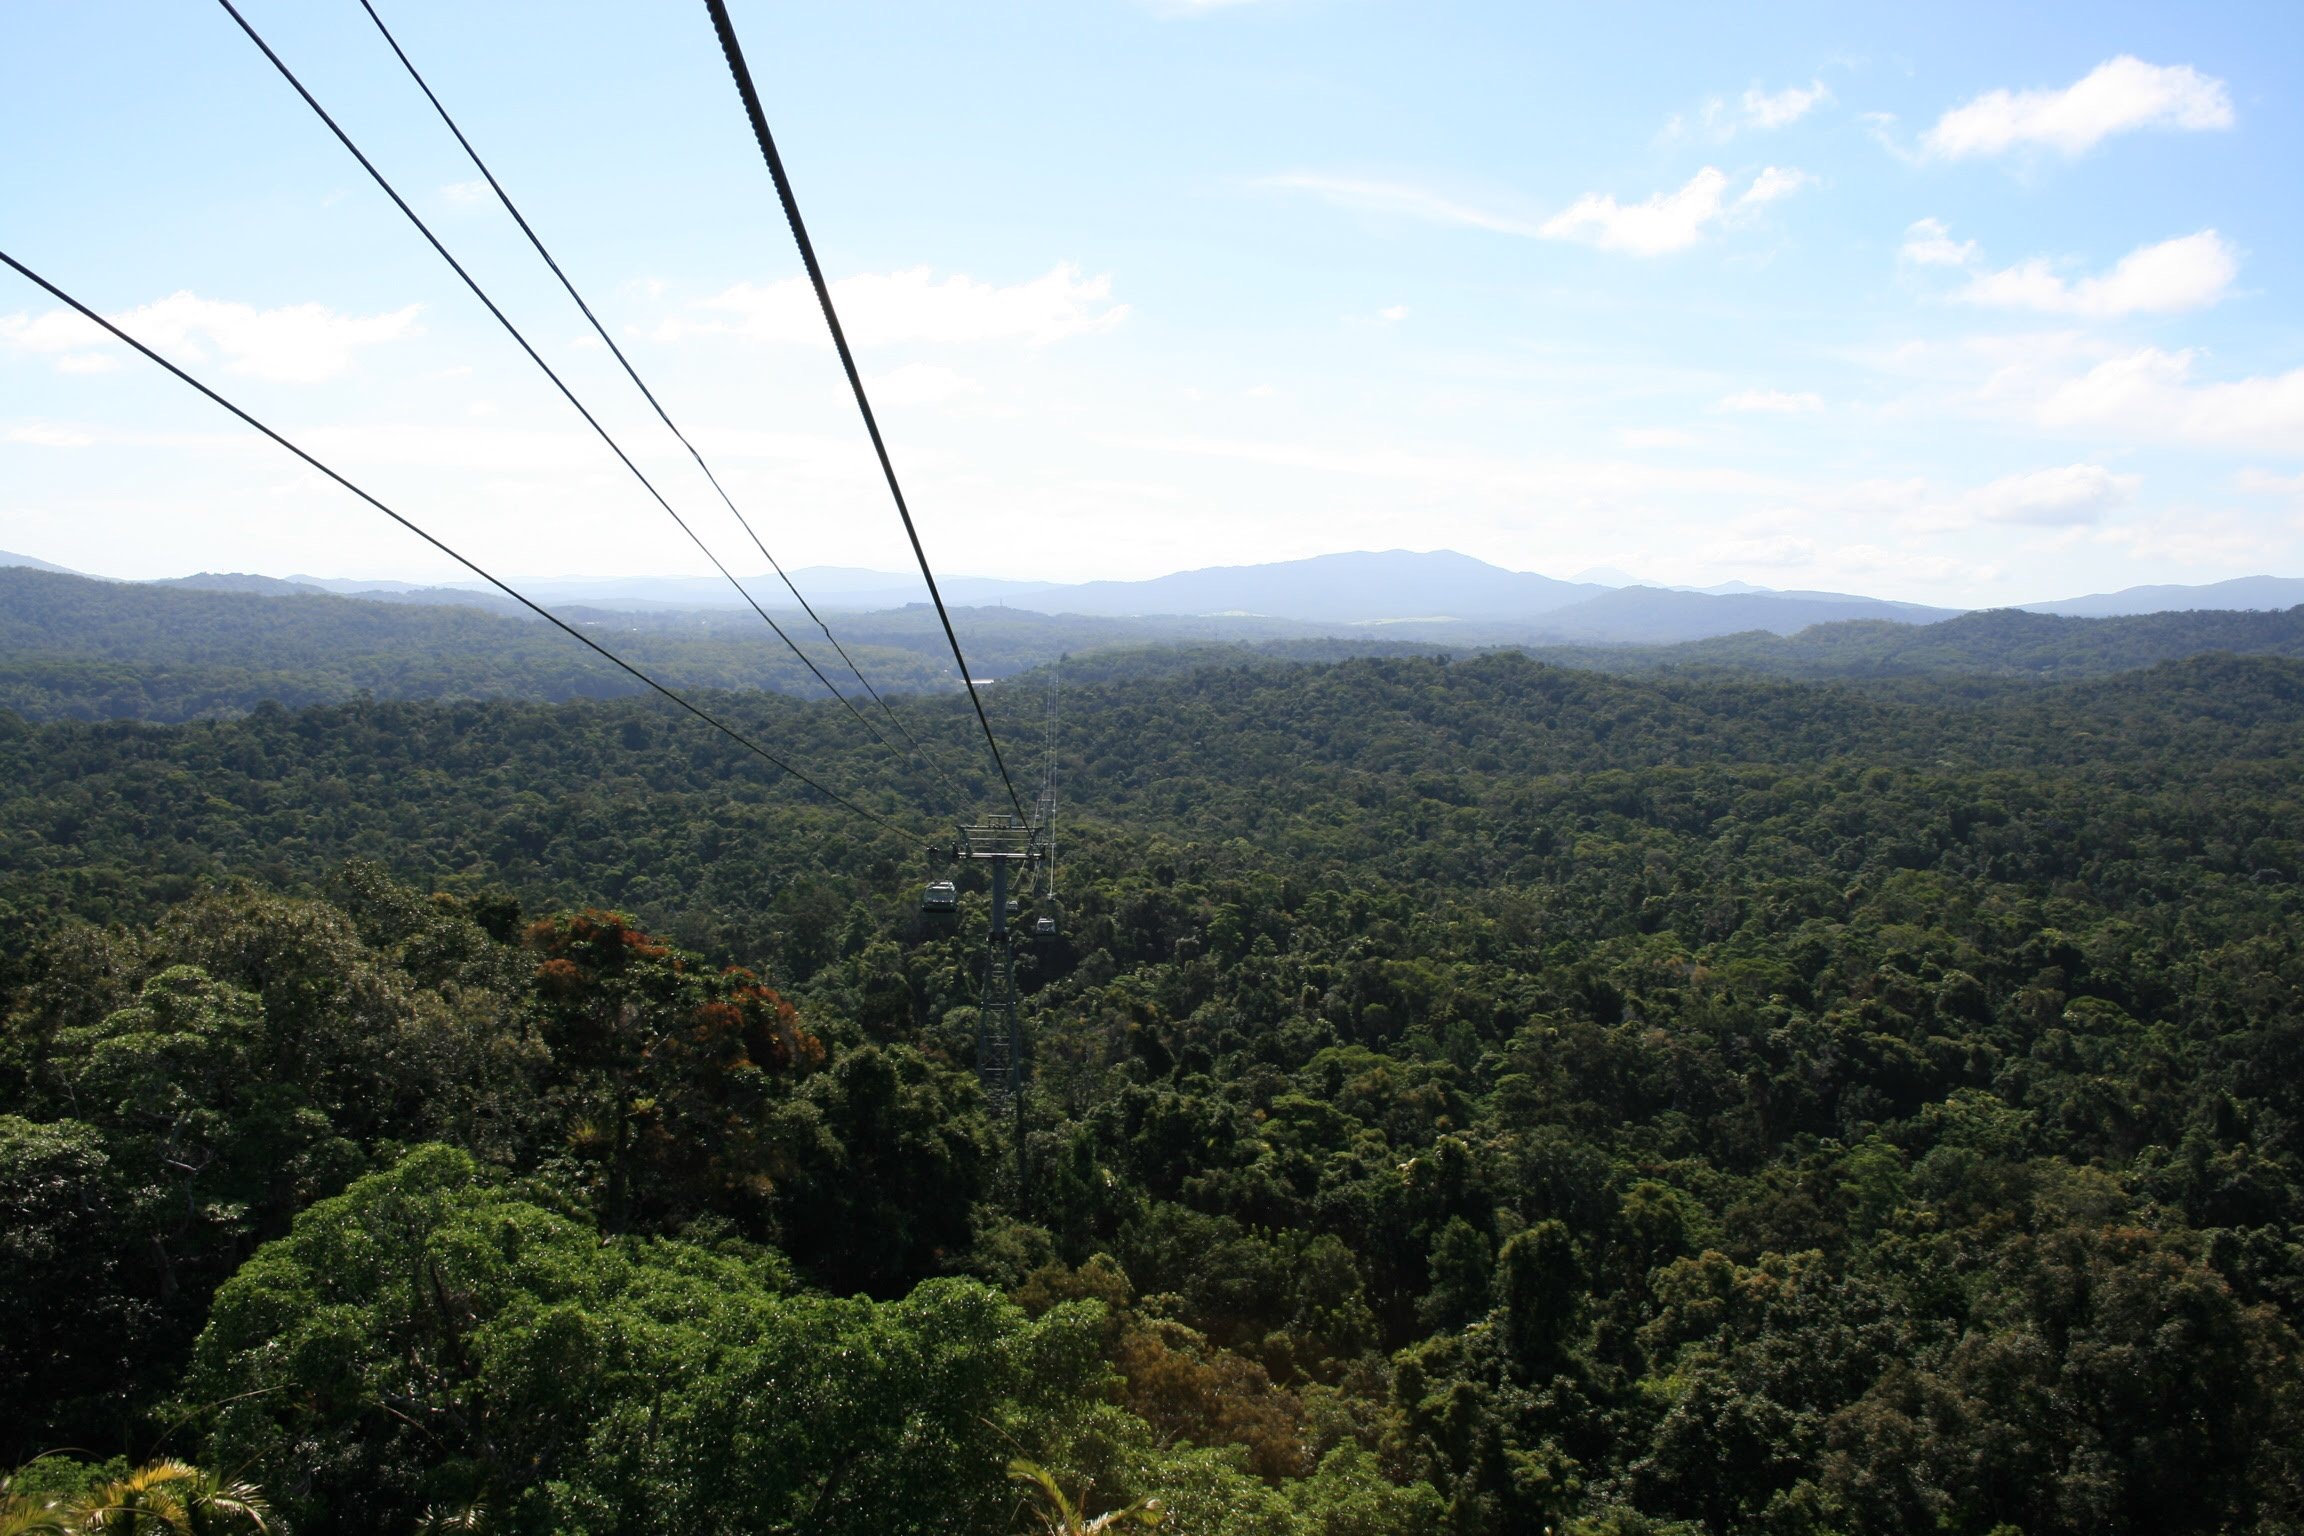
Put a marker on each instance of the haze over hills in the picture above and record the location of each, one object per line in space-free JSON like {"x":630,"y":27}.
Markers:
{"x":72,"y":647}
{"x":2240,"y":592}
{"x":1439,"y":596}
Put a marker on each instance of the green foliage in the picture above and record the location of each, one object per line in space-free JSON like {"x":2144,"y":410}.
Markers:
{"x":430,"y":1338}
{"x":1476,"y":1097}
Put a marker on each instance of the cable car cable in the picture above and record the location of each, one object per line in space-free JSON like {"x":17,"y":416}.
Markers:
{"x":744,"y":87}
{"x":499,"y":584}
{"x":533,"y":356}
{"x":919,"y":752}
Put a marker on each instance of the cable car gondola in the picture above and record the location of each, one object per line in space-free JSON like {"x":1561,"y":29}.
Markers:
{"x":941,"y":896}
{"x":1045,"y":928}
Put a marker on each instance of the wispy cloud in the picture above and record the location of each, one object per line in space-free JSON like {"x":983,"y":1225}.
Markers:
{"x":1772,"y":402}
{"x":2083,"y":382}
{"x":1666,"y":222}
{"x":1773,"y":183}
{"x":2188,"y":273}
{"x":2258,"y":483}
{"x":1929,"y":243}
{"x":2118,"y":96}
{"x":1765,"y":109}
{"x":2072,"y":495}
{"x":465,"y":193}
{"x":1187,"y":8}
{"x":296,"y":343}
{"x":1402,"y":201}
{"x":914,"y":305}
{"x":2151,"y":393}
{"x":2063,"y":497}
{"x":41,"y":434}
{"x":923,"y":384}
{"x":1669,"y":221}
{"x":1758,"y":110}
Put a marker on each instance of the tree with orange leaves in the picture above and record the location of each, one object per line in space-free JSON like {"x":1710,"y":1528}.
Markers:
{"x":670,"y":1068}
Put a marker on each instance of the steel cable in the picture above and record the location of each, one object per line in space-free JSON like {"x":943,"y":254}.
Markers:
{"x":499,"y":584}
{"x":919,"y":752}
{"x":533,"y":356}
{"x":744,"y":87}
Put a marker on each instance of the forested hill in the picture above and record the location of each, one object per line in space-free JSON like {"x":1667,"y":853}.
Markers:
{"x":75,"y":648}
{"x":1995,"y":643}
{"x":1467,"y":1097}
{"x":71,"y":647}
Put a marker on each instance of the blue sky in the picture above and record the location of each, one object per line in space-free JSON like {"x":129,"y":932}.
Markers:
{"x":1961,"y":304}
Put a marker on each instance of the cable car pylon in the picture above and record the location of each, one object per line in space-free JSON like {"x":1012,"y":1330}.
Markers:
{"x":1020,"y":854}
{"x":1012,"y":849}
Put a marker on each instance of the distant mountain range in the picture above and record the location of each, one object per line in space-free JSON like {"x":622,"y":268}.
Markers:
{"x":1437,"y":596}
{"x":2242,"y":592}
{"x":73,"y":647}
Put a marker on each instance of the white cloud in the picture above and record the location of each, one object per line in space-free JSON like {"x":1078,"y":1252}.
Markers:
{"x":1669,"y":221}
{"x":2257,"y":482}
{"x":1393,"y":313}
{"x":2195,"y":536}
{"x":41,"y":434}
{"x":1655,"y":437}
{"x":1777,"y":551}
{"x":1517,"y":477}
{"x":2063,"y":500}
{"x":922,"y":384}
{"x":1774,"y":401}
{"x":1765,"y":110}
{"x":467,"y":448}
{"x":2150,"y":392}
{"x":296,"y":344}
{"x":2187,"y":273}
{"x":1758,"y":110}
{"x":2053,"y":498}
{"x":1403,"y":201}
{"x":1929,"y":243}
{"x":59,"y":330}
{"x":2078,"y":381}
{"x":1938,"y":570}
{"x":1775,"y":182}
{"x":2117,"y":96}
{"x":884,"y":308}
{"x":465,"y":193}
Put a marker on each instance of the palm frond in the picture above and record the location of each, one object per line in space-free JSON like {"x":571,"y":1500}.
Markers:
{"x":1058,"y":1515}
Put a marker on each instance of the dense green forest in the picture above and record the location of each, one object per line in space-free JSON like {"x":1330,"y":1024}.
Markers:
{"x":76,"y":648}
{"x":1467,"y":1096}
